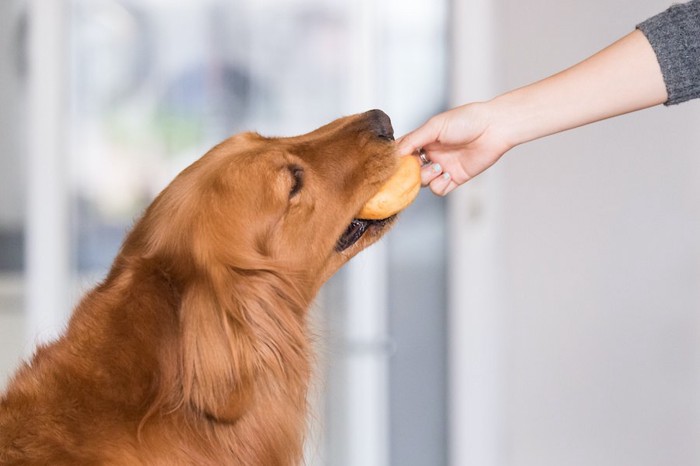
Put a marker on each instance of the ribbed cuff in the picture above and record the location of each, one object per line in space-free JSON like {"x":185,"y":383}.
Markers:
{"x":675,"y":37}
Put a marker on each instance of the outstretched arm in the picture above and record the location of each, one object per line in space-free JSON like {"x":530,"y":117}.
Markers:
{"x":466,"y":140}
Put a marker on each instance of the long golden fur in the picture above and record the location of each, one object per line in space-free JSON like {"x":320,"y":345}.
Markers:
{"x":194,"y":349}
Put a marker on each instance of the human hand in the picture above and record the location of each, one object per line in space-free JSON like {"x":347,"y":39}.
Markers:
{"x":459,"y":143}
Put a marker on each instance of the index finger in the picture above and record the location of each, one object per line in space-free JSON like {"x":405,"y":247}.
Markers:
{"x":412,"y":142}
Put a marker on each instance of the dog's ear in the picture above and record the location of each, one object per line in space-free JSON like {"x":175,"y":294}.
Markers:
{"x":218,"y":366}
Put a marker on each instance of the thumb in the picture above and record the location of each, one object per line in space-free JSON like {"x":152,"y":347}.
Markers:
{"x":419,"y":137}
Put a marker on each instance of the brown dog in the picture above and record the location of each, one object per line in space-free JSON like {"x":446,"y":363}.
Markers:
{"x":194,"y":349}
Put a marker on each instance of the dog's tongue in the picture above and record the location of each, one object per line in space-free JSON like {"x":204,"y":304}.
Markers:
{"x":397,"y":193}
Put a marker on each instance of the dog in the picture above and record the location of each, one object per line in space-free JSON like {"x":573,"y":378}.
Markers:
{"x":195,"y":349}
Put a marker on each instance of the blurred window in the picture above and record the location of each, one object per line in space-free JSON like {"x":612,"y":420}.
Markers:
{"x":153,"y":84}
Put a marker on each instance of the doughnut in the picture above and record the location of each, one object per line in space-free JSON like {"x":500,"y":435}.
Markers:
{"x":396,"y":193}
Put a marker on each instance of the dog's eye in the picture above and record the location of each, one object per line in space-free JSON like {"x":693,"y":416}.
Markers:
{"x":298,"y":179}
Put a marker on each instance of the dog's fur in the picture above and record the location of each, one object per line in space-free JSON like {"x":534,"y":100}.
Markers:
{"x":194,"y":349}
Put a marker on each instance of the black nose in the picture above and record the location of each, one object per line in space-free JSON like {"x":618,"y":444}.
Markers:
{"x":380,"y":123}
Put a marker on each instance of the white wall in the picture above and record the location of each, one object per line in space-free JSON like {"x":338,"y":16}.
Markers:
{"x":592,"y":324}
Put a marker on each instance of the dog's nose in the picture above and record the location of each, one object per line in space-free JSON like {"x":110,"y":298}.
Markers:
{"x":380,"y":123}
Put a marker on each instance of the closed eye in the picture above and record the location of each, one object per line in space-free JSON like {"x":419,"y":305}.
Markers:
{"x":297,"y":179}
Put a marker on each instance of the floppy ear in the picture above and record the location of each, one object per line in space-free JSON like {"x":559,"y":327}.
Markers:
{"x":218,"y":357}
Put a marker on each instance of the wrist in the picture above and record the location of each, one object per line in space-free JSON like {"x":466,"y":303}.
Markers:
{"x":507,"y":119}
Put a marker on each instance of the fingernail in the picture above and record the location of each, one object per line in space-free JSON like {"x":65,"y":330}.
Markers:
{"x":445,"y":176}
{"x":436,"y":167}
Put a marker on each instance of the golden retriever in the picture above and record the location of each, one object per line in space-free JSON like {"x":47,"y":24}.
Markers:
{"x":194,"y":349}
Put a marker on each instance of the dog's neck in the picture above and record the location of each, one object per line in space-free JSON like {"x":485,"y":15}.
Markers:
{"x":271,"y":399}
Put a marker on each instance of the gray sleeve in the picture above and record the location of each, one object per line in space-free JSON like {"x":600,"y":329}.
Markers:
{"x":675,"y":37}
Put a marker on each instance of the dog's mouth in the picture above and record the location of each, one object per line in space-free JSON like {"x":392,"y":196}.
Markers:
{"x":357,"y":229}
{"x":381,"y":126}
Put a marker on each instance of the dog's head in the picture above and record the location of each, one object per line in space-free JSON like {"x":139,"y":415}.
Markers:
{"x":286,"y":203}
{"x":246,"y":235}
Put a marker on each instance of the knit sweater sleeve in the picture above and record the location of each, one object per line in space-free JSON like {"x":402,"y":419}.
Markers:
{"x":675,"y":37}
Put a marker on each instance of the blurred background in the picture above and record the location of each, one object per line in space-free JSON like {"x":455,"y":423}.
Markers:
{"x":546,"y":313}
